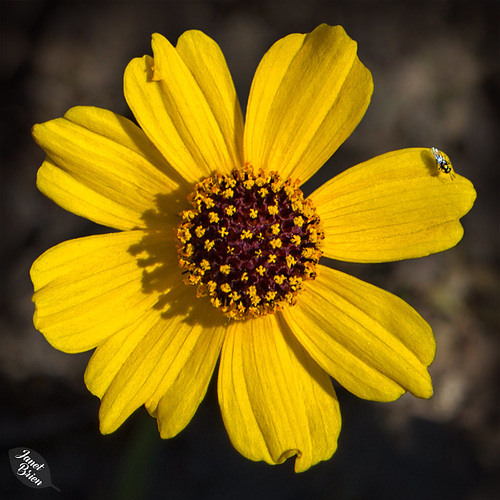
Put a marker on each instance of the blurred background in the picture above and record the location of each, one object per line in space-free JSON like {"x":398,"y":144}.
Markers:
{"x":435,"y":66}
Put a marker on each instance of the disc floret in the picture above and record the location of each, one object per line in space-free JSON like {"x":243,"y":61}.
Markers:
{"x":250,"y":242}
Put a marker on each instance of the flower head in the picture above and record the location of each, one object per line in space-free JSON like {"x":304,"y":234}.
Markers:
{"x":218,"y":253}
{"x":249,"y":242}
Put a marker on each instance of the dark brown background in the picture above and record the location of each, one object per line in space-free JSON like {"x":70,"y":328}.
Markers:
{"x":436,"y":71}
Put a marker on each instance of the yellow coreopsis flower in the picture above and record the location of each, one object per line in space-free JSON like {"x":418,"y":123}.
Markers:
{"x":218,"y":251}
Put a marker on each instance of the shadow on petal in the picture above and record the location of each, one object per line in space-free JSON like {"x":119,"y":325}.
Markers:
{"x":156,"y":255}
{"x":430,"y":162}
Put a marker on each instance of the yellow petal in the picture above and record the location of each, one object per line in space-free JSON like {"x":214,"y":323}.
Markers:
{"x":370,"y":341}
{"x":166,"y":364}
{"x":275,"y":400}
{"x":183,"y":389}
{"x":90,"y":288}
{"x":102,"y":166}
{"x":186,"y":103}
{"x":395,"y":206}
{"x":307,"y":96}
{"x":112,"y":353}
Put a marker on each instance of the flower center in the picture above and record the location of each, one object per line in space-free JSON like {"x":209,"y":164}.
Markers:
{"x":249,"y":242}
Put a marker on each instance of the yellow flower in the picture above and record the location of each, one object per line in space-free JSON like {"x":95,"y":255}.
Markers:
{"x":293,"y":322}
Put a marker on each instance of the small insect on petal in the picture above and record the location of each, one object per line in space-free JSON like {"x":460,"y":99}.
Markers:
{"x":443,"y":162}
